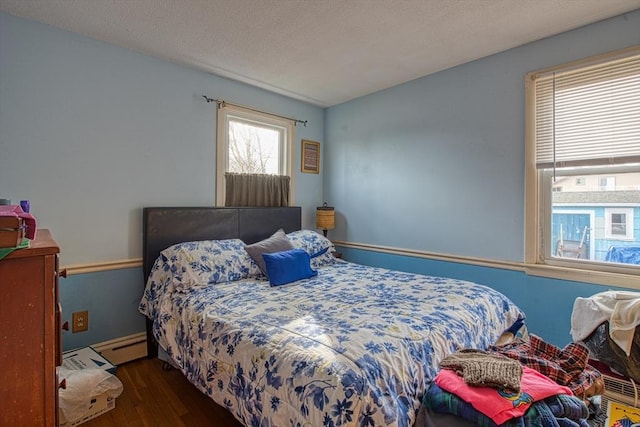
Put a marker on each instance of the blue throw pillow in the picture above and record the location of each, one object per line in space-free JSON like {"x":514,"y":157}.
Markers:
{"x":288,"y":266}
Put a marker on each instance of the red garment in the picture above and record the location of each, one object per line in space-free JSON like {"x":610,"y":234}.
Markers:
{"x":502,"y":405}
{"x":568,"y":366}
{"x":29,"y":220}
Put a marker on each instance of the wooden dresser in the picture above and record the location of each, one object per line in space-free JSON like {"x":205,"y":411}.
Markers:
{"x":30,"y":335}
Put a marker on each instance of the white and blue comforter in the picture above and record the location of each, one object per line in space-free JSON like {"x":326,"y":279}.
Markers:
{"x":354,"y":346}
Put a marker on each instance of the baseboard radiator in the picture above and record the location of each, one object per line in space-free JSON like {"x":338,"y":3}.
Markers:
{"x":123,"y":349}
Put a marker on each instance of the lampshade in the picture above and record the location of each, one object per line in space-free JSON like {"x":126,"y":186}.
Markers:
{"x":325,"y":218}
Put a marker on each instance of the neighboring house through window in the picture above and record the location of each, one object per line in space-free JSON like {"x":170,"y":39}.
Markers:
{"x":608,"y":183}
{"x":583,"y":169}
{"x":619,"y":223}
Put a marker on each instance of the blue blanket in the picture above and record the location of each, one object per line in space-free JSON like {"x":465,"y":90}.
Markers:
{"x":556,"y":411}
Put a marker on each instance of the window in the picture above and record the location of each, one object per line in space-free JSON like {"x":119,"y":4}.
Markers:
{"x":608,"y":183}
{"x":583,"y":154}
{"x":255,"y":145}
{"x":619,"y":223}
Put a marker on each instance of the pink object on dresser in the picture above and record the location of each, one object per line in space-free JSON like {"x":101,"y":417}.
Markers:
{"x":17,"y":212}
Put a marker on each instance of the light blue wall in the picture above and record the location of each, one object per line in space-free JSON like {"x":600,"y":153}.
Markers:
{"x":90,"y":133}
{"x":112,"y":298}
{"x":437,"y":164}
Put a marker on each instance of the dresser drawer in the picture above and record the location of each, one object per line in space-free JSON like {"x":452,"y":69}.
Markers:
{"x":29,"y":330}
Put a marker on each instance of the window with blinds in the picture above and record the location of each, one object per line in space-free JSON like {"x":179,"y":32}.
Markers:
{"x":583,"y":166}
{"x":589,"y":115}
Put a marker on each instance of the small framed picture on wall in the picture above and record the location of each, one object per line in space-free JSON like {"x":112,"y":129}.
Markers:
{"x":310,"y":156}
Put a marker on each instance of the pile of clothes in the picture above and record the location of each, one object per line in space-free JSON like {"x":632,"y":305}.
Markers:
{"x":523,"y":383}
{"x":608,"y":324}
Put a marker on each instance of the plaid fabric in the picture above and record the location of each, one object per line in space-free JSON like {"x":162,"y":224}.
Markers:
{"x":568,"y":366}
{"x":559,"y":410}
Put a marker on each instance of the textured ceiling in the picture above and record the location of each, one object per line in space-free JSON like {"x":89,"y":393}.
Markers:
{"x":321,"y":51}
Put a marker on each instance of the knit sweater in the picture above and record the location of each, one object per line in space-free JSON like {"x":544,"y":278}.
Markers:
{"x":481,"y":369}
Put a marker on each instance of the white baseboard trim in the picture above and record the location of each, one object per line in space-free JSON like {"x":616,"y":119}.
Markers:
{"x":123,"y":349}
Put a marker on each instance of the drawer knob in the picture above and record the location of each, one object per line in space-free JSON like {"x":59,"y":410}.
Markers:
{"x":63,"y":384}
{"x":63,"y":273}
{"x":65,"y":326}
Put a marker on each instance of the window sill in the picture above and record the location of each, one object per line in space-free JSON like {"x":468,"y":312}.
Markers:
{"x":623,"y":280}
{"x":631,"y":281}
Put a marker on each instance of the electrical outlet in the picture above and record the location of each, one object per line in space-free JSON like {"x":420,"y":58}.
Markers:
{"x":80,"y":321}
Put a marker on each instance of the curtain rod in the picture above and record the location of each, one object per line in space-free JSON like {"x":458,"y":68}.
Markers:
{"x":222,"y":102}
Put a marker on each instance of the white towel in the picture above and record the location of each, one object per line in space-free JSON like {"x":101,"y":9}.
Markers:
{"x":620,"y":308}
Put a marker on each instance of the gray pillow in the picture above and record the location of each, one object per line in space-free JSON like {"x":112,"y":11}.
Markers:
{"x":276,"y":243}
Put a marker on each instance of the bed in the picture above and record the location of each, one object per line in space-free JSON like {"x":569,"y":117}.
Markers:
{"x":352,"y":345}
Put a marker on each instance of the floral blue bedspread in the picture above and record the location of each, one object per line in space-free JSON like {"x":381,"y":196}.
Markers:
{"x":355,"y":345}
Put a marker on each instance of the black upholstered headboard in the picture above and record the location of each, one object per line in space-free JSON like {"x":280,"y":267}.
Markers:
{"x":165,"y":226}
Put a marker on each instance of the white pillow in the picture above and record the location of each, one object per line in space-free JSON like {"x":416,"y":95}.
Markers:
{"x":314,"y":243}
{"x":208,"y":262}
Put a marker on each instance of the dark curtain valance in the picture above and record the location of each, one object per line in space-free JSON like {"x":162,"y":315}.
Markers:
{"x":256,"y":190}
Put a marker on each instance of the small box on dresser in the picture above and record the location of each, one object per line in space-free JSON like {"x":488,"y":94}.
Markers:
{"x":11,"y":231}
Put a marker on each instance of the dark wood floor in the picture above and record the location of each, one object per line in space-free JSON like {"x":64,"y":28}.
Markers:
{"x":154,"y":397}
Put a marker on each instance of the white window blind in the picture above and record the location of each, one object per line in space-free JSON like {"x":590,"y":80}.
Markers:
{"x":589,"y":116}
